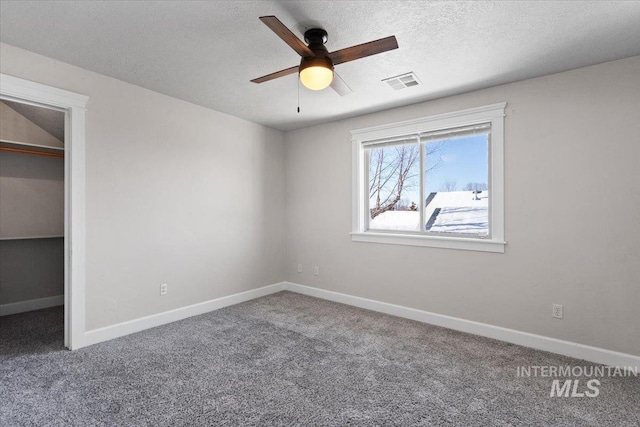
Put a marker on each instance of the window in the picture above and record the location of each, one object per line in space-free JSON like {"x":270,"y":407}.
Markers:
{"x":436,"y":181}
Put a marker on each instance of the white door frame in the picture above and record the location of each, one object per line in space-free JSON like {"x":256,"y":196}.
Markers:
{"x":73,"y":105}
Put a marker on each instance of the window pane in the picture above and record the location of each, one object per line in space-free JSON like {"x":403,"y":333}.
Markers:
{"x":394,"y":188}
{"x":456,"y":185}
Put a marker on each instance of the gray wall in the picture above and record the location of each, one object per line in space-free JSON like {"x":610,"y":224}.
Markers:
{"x":175,"y":193}
{"x":16,"y":127}
{"x":31,"y":204}
{"x":31,"y":195}
{"x":572,"y":214}
{"x":184,"y":195}
{"x":31,"y":269}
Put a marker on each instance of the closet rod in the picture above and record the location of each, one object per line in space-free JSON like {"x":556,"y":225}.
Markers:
{"x":39,"y":153}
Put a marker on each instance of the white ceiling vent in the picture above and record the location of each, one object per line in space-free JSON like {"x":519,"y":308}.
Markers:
{"x":402,"y":81}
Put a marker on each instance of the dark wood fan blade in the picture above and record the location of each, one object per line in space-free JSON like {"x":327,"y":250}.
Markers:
{"x":339,"y":85}
{"x":275,"y":75}
{"x":363,"y":50}
{"x":285,"y":34}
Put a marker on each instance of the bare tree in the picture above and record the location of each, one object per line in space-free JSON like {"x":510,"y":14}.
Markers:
{"x":449,"y":185}
{"x":392,"y":171}
{"x":476,"y":186}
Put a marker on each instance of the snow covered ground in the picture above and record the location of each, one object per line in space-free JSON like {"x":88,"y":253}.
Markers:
{"x":460,"y":212}
{"x":396,"y":220}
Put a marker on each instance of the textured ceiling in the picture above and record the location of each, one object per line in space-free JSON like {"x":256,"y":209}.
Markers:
{"x":51,"y":121}
{"x":206,"y":52}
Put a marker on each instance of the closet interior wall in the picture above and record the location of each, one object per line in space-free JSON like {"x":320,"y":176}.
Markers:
{"x":31,"y":207}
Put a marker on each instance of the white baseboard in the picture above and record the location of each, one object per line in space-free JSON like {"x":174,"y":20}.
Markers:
{"x":538,"y":342}
{"x":30,"y":305}
{"x":121,"y":329}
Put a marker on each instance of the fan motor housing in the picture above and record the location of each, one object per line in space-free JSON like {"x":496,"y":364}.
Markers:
{"x":315,"y":36}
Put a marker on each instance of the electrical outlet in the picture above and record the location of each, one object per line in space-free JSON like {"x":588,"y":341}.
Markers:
{"x":557,"y":311}
{"x":163,"y":289}
{"x":316,"y":271}
{"x":299,"y":268}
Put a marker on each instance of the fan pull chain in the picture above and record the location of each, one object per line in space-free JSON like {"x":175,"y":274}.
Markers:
{"x":298,"y":95}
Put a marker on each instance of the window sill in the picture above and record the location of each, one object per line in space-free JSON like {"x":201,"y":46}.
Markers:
{"x":460,"y":243}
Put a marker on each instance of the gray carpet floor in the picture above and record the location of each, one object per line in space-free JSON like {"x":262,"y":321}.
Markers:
{"x":288,"y":359}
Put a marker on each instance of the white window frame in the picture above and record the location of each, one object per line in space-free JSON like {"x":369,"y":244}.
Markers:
{"x":493,"y":114}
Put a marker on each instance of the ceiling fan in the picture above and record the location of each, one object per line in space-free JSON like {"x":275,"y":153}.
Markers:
{"x":316,"y":66}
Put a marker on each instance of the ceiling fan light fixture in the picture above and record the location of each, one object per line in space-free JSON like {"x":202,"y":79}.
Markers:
{"x":316,"y":72}
{"x":316,"y":67}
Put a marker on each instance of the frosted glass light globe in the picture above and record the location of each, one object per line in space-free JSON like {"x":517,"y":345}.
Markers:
{"x":316,"y":77}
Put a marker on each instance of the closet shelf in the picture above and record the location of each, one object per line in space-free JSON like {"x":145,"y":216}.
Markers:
{"x":26,"y":148}
{"x":32,"y":237}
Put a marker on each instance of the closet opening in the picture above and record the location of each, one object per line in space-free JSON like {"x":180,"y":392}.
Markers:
{"x":42,"y":207}
{"x":32,"y":225}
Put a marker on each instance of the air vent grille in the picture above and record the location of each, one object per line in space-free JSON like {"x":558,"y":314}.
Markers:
{"x":402,"y":81}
